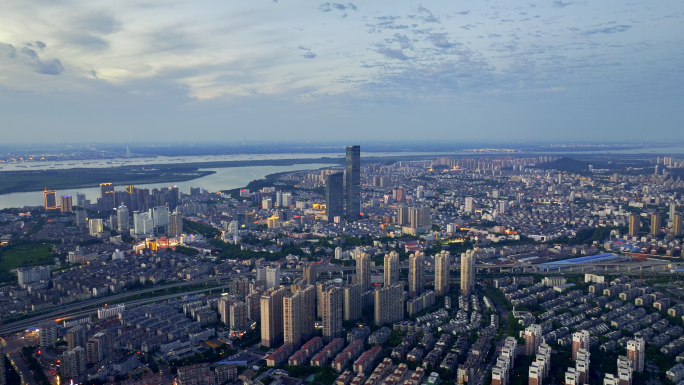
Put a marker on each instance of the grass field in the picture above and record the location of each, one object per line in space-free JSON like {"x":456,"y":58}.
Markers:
{"x":12,"y":257}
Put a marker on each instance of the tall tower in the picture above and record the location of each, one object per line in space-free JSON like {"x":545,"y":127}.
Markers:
{"x":122,"y":218}
{"x":332,"y":313}
{"x":655,"y":224}
{"x":677,"y":224}
{"x":636,"y":349}
{"x":416,"y":274}
{"x":580,"y":340}
{"x":533,"y":338}
{"x":353,"y":183}
{"x":334,"y":196}
{"x":352,"y":302}
{"x":389,"y":304}
{"x":403,"y":215}
{"x":310,"y":273}
{"x":442,"y":273}
{"x":363,"y":271}
{"x":292,"y":319}
{"x":308,"y":314}
{"x":67,"y":204}
{"x":272,"y":316}
{"x":634,"y":225}
{"x":50,"y":199}
{"x":175,"y":224}
{"x":467,"y":272}
{"x":391,"y":271}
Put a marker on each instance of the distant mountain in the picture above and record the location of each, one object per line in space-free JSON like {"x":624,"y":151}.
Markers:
{"x":567,"y":164}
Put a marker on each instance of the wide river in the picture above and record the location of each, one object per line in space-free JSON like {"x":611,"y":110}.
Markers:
{"x":223,"y":179}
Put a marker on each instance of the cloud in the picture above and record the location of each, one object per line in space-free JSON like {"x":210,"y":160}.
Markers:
{"x":561,"y":4}
{"x":49,"y":67}
{"x":393,"y":53}
{"x":46,"y":67}
{"x":463,"y":13}
{"x":613,"y":29}
{"x":403,"y":40}
{"x":429,"y":18}
{"x":327,"y":7}
{"x":8,"y":50}
{"x":40,"y":44}
{"x":309,"y":55}
{"x":304,"y":48}
{"x":439,"y":40}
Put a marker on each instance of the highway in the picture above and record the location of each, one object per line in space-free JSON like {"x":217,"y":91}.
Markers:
{"x":89,"y":306}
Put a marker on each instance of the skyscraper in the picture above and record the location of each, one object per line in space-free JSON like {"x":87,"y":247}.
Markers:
{"x":363,"y":271}
{"x":403,"y":215}
{"x":416,"y":274}
{"x":308,"y":314}
{"x":353,"y":183}
{"x":468,"y":205}
{"x":122,"y":218}
{"x":334,"y":196}
{"x":292,"y":319}
{"x":76,"y":336}
{"x":673,"y":211}
{"x":442,"y":273}
{"x":352,"y":302}
{"x":467,"y":273}
{"x":50,"y":199}
{"x":391,"y":271}
{"x":175,"y":225}
{"x":580,"y":340}
{"x":272,"y":316}
{"x":72,"y":364}
{"x":533,"y":338}
{"x":332,"y":309}
{"x":95,"y":226}
{"x":389,"y":304}
{"x":310,"y":273}
{"x":655,"y":224}
{"x":677,"y":224}
{"x":67,"y":204}
{"x":420,"y":217}
{"x":634,"y":225}
{"x":636,"y":349}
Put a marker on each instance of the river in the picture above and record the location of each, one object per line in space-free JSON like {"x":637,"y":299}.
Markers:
{"x":223,"y":179}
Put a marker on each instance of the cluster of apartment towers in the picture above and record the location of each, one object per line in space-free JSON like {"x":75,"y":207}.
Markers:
{"x":578,"y":375}
{"x":289,"y":316}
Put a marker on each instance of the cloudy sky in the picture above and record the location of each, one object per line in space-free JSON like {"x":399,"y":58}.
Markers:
{"x":166,"y":70}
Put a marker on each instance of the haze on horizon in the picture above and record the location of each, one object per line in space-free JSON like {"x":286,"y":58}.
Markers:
{"x":301,"y":70}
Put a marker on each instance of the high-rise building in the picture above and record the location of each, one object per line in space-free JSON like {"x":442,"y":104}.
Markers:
{"x":636,"y":349}
{"x":67,"y":204}
{"x":467,"y":273}
{"x":580,"y":340}
{"x":234,"y":315}
{"x":468,"y":205}
{"x":272,"y":316}
{"x":122,"y":218}
{"x":352,"y":302}
{"x":332,"y":308}
{"x":582,"y":369}
{"x":634,"y":225}
{"x":50,"y":199}
{"x":310,"y":273}
{"x":403,"y":215}
{"x":72,"y":363}
{"x":143,"y":223}
{"x":401,"y":195}
{"x":175,"y":225}
{"x":105,"y":188}
{"x":308,"y":314}
{"x":677,"y":224}
{"x":161,"y":218}
{"x":420,"y":217}
{"x":98,"y":347}
{"x":363,"y":271}
{"x":672,"y":211}
{"x":80,"y":200}
{"x":389,"y":304}
{"x":334,"y":196}
{"x":95,"y":226}
{"x":533,"y":338}
{"x":535,"y":375}
{"x":292,"y":320}
{"x":76,"y":336}
{"x":572,"y":377}
{"x":655,"y":224}
{"x":391,"y":270}
{"x":416,"y":274}
{"x":47,"y":334}
{"x":442,"y":273}
{"x":353,"y":183}
{"x":272,"y":276}
{"x":81,"y":218}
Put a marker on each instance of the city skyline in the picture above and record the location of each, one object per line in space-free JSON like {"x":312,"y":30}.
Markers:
{"x":471,"y":70}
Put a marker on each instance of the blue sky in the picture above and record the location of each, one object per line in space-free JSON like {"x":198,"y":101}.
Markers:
{"x":75,"y":70}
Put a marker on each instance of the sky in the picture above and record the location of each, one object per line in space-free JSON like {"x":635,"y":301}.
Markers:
{"x":165,"y":70}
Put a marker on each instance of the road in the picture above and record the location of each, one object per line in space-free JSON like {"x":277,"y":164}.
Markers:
{"x":12,"y":346}
{"x":90,"y":305}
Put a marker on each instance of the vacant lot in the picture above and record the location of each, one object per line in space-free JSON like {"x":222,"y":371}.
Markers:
{"x":15,"y":256}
